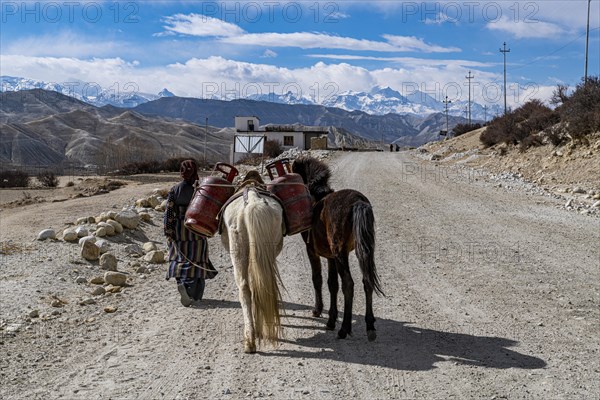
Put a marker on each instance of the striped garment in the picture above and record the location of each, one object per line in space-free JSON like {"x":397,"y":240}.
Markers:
{"x":185,"y":247}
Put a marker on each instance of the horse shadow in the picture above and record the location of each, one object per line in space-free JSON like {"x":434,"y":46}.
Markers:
{"x":403,"y":346}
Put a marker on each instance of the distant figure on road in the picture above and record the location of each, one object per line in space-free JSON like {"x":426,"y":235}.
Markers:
{"x":188,"y":252}
{"x":391,"y":147}
{"x":397,"y":147}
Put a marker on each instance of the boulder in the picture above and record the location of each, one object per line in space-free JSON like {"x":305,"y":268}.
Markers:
{"x":128,"y":218}
{"x":100,"y":232}
{"x":84,"y":239}
{"x":149,"y":246}
{"x":115,"y":278}
{"x":153,"y":201}
{"x":81,"y":221}
{"x":110,"y":230}
{"x":144,"y":216}
{"x":117,"y":226}
{"x":81,"y":231}
{"x":90,"y":251}
{"x":103,"y":245}
{"x":69,"y":235}
{"x":108,"y":262}
{"x":141,"y":203}
{"x":46,"y":234}
{"x":134,"y":249}
{"x":155,"y":257}
{"x":162,"y":206}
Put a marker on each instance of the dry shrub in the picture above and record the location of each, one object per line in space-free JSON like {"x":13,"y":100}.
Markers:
{"x":47,"y":179}
{"x":581,"y":110}
{"x":13,"y":179}
{"x":461,"y":129}
{"x":272,"y":149}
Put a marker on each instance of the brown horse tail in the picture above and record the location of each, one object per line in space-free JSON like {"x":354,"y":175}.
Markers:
{"x":264,"y":224}
{"x":364,"y":237}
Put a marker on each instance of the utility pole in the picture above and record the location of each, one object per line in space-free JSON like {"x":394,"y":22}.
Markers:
{"x":446,"y":102}
{"x":504,"y":52}
{"x":469,"y":77}
{"x":587,"y":43}
{"x":205,"y":135}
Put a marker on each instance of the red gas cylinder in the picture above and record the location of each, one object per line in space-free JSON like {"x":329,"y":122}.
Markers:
{"x":209,"y":197}
{"x":290,"y":189}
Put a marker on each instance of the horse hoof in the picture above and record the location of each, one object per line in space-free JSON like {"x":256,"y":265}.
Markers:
{"x":342,"y":333}
{"x":330,"y":326}
{"x":316,"y":313}
{"x":371,"y":335}
{"x":249,"y":348}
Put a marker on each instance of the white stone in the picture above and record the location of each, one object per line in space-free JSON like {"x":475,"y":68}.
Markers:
{"x":596,"y":204}
{"x":110,"y":230}
{"x":69,"y":235}
{"x":155,"y":257}
{"x":153,"y":201}
{"x":118,"y":227}
{"x":103,"y":245}
{"x":108,"y":262}
{"x":82,"y":220}
{"x":46,"y":234}
{"x":100,"y":232}
{"x":81,"y":231}
{"x":90,"y":251}
{"x":128,"y":218}
{"x":149,"y":246}
{"x":87,"y":239}
{"x":115,"y":278}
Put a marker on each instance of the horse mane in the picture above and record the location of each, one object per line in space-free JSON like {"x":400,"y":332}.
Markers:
{"x":315,"y":175}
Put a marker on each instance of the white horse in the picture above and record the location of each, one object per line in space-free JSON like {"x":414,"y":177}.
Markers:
{"x":253,"y":234}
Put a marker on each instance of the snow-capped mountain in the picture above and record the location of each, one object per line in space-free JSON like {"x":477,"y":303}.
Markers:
{"x":126,"y":96}
{"x":377,"y":101}
{"x":287,"y":98}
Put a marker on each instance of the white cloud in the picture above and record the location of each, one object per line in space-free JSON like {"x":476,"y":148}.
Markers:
{"x":269,"y":54}
{"x":530,"y":30}
{"x":204,"y":26}
{"x":407,"y":61}
{"x":200,"y":25}
{"x":411,"y":43}
{"x":308,"y":40}
{"x":64,"y":44}
{"x":217,"y":77}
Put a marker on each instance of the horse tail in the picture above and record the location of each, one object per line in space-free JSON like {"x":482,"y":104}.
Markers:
{"x":264,"y":224}
{"x":364,"y":238}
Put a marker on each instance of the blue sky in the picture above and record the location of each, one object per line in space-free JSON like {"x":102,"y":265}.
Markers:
{"x":315,"y":49}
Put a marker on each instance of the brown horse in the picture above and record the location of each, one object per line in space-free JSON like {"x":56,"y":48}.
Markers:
{"x":342,"y":221}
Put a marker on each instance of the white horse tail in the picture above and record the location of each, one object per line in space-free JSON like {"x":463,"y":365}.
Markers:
{"x":263,"y":218}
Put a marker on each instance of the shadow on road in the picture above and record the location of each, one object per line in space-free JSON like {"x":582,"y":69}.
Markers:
{"x":401,"y":346}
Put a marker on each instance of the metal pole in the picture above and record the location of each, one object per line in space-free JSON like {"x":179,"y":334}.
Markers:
{"x":205,"y":135}
{"x":504,"y":52}
{"x":446,"y":102}
{"x":469,"y":77}
{"x":587,"y":43}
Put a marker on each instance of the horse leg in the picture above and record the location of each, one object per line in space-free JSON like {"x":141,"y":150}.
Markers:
{"x":239,"y":259}
{"x":348,"y":290}
{"x":317,"y":278}
{"x":369,"y":317}
{"x":246,"y":301}
{"x":332,"y":284}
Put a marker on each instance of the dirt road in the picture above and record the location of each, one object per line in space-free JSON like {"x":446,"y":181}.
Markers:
{"x":489,"y":294}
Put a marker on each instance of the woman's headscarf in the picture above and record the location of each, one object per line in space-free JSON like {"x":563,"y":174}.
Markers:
{"x":189,"y":171}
